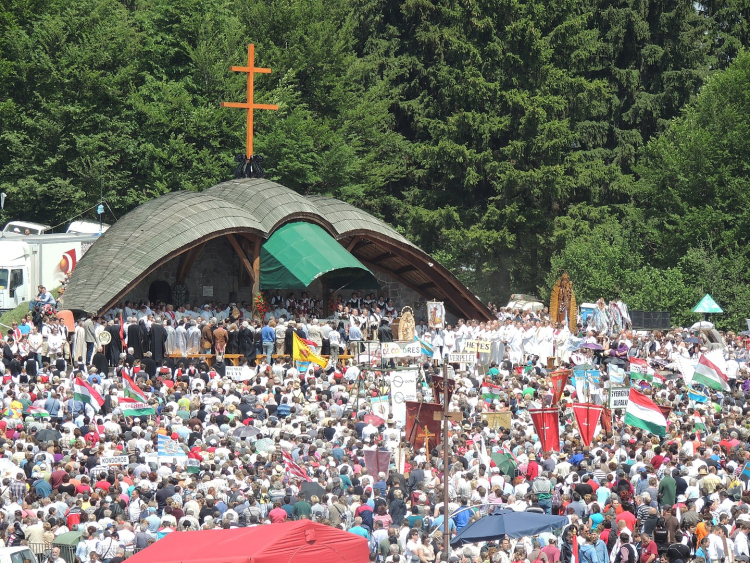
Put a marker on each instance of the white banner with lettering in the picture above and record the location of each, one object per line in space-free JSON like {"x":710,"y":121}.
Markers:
{"x":403,"y":388}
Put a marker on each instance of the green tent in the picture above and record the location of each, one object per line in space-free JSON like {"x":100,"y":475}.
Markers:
{"x":299,"y":253}
{"x":67,"y":543}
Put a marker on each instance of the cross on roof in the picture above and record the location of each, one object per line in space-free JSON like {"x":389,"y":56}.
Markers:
{"x":250,"y":105}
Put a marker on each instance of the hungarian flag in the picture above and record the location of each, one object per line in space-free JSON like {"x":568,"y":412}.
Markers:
{"x":587,"y":417}
{"x":707,"y":373}
{"x":547,"y":426}
{"x":131,"y":390}
{"x":559,"y":380}
{"x":131,"y":407}
{"x":643,"y":413}
{"x":83,"y":392}
{"x":490,"y":392}
{"x":639,"y":369}
{"x":38,"y":412}
{"x":193,"y":465}
{"x":302,"y":352}
{"x":698,"y":424}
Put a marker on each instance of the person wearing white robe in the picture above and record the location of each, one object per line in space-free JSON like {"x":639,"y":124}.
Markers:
{"x":545,"y":347}
{"x":169,"y":347}
{"x":561,"y":342}
{"x":79,"y":342}
{"x":181,"y":340}
{"x":529,"y":340}
{"x":515,"y":343}
{"x":449,"y":340}
{"x":193,"y":338}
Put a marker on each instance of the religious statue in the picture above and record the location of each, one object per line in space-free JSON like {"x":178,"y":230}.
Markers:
{"x":563,"y":302}
{"x":406,"y":328}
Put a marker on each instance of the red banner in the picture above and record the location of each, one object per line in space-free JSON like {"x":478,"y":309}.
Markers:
{"x":607,"y":420}
{"x":438,"y":387}
{"x":547,"y":426}
{"x":419,"y":418}
{"x":559,"y":381}
{"x":587,"y":417}
{"x":665,"y":410}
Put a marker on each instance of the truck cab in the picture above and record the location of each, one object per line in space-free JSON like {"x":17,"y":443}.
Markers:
{"x":14,"y":275}
{"x":17,"y":554}
{"x":24,"y":228}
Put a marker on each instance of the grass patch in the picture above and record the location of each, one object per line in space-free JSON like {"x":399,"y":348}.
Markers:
{"x":17,"y":314}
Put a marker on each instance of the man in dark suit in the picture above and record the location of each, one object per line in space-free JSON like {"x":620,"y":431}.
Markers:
{"x":247,"y":341}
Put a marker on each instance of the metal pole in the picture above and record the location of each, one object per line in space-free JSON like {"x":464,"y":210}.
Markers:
{"x":446,"y":460}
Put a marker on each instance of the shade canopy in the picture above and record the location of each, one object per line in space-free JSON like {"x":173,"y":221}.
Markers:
{"x":506,"y":522}
{"x":707,"y":305}
{"x":299,"y":253}
{"x":301,"y":541}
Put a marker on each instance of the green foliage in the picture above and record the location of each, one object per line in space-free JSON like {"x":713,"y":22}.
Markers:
{"x":511,"y":139}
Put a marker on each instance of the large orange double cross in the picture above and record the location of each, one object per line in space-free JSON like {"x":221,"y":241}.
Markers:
{"x":250,"y":105}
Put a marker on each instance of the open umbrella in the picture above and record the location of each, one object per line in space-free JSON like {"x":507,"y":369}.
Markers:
{"x":246,"y":432}
{"x":265,"y":445}
{"x":504,"y":462}
{"x":505,"y":522}
{"x":591,"y":346}
{"x":374,"y":419}
{"x":48,"y":435}
{"x":310,"y":488}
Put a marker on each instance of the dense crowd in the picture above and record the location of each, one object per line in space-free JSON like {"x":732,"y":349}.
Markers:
{"x":628,"y":495}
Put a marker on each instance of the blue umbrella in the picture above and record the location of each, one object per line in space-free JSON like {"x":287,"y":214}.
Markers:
{"x":506,"y":522}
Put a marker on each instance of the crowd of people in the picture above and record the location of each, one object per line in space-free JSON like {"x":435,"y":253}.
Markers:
{"x":627,"y":496}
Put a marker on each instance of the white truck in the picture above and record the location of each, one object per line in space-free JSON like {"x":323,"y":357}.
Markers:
{"x":28,"y":261}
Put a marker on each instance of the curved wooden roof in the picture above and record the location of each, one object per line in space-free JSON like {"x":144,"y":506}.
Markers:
{"x":165,"y":227}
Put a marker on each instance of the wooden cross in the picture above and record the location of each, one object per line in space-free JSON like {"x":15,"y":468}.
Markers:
{"x":250,"y":105}
{"x":425,"y":434}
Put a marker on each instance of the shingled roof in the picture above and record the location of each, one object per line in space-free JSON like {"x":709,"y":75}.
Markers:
{"x":163,"y":228}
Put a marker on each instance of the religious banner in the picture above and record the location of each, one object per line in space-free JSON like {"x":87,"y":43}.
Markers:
{"x":606,"y":420}
{"x":547,"y":426}
{"x":421,"y":425}
{"x":380,"y":406}
{"x":559,"y":381}
{"x":377,"y":461}
{"x":438,"y":387}
{"x":500,"y":419}
{"x":435,"y":314}
{"x":403,"y":388}
{"x":587,"y":418}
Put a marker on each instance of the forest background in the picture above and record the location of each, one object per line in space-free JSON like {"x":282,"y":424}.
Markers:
{"x":511,"y":139}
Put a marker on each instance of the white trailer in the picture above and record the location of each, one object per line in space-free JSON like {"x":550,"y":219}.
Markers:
{"x":27,"y":262}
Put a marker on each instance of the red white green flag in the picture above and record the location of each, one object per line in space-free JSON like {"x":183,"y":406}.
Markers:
{"x":710,"y":375}
{"x":131,"y":390}
{"x":83,"y":392}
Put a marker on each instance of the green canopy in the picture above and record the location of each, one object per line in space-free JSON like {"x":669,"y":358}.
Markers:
{"x":707,"y":305}
{"x":299,"y":253}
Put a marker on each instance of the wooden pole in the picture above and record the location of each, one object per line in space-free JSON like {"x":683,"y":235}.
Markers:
{"x":446,"y":461}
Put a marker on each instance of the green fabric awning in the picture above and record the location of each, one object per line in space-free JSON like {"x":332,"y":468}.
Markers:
{"x":299,"y":253}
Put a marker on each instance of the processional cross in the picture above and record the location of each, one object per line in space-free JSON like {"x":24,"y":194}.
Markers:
{"x":425,"y":434}
{"x":250,"y":104}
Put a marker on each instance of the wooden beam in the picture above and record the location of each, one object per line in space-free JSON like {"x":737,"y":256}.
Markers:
{"x":381,"y":257}
{"x":187,"y":260}
{"x":356,"y":243}
{"x":256,"y":265}
{"x":242,"y":256}
{"x":427,"y":285}
{"x":404,"y":270}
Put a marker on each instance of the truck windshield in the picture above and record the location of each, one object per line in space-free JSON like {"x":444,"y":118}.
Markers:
{"x":3,"y":278}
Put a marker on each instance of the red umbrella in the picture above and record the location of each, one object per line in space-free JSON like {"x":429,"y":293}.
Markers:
{"x":373,"y":419}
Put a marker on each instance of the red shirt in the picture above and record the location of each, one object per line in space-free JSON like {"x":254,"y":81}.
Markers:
{"x":277,"y":515}
{"x":629,"y":518}
{"x":648,"y":550}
